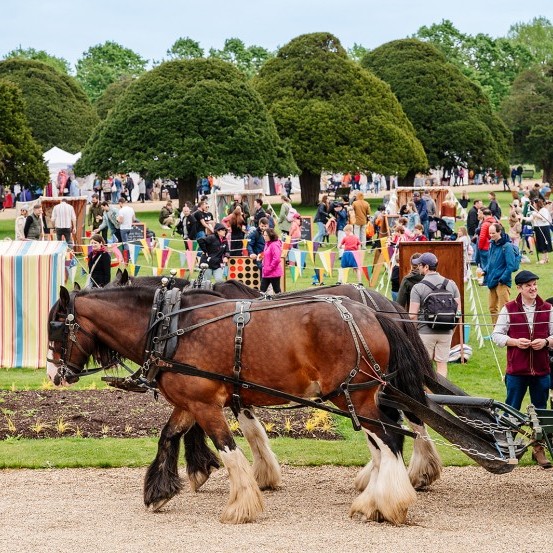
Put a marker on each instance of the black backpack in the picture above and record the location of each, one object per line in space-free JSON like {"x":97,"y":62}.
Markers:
{"x":439,"y":308}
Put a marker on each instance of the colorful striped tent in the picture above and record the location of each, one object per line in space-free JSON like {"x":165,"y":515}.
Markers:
{"x":31,"y":273}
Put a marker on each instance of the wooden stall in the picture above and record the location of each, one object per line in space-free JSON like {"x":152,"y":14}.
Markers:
{"x":79,"y":205}
{"x":218,"y":201}
{"x":450,"y":265}
{"x":438,"y":194}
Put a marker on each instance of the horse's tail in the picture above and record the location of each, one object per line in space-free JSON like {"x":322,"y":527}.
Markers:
{"x":407,"y":361}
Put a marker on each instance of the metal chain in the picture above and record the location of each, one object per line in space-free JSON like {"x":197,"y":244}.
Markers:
{"x":471,"y":450}
{"x":489,"y":427}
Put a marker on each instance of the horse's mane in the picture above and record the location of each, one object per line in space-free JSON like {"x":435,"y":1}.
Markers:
{"x":243,"y":289}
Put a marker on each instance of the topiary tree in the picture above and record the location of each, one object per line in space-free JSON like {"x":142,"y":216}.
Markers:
{"x":61,"y":64}
{"x":57,"y":109}
{"x":528,"y":112}
{"x":21,"y":158}
{"x":186,"y":119}
{"x":111,"y":96}
{"x":336,"y":115}
{"x":452,"y":116}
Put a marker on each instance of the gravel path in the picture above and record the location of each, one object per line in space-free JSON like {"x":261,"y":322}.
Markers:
{"x":90,"y":510}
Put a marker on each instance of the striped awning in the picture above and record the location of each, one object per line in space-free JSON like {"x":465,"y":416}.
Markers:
{"x":31,"y":273}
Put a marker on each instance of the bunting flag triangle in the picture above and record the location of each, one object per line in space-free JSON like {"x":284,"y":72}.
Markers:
{"x":345,"y":275}
{"x":159,"y":253}
{"x":368,"y":272}
{"x":182,"y":259}
{"x":134,"y":252}
{"x":117,"y":253}
{"x":86,"y":250}
{"x":190,"y":259}
{"x":358,"y":256}
{"x":146,"y":250}
{"x":165,"y":255}
{"x":182,"y":273}
{"x":294,"y":273}
{"x":309,"y":244}
{"x":71,"y":272}
{"x":163,"y":243}
{"x":327,"y":260}
{"x":287,"y":243}
{"x":156,"y":271}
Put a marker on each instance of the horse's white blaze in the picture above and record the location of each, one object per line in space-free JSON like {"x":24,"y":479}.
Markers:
{"x":425,"y":466}
{"x":265,"y":463}
{"x":245,"y":499}
{"x":52,"y":369}
{"x":389,"y":493}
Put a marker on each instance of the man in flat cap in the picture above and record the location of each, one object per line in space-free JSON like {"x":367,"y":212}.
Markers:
{"x":525,"y":326}
{"x":436,"y":337}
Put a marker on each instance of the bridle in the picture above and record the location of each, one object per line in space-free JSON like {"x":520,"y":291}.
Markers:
{"x":66,"y":331}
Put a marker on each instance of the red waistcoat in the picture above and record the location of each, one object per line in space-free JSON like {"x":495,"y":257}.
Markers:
{"x":527,"y":362}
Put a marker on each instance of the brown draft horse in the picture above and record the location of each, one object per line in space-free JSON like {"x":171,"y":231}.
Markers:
{"x":424,"y":465}
{"x":303,"y":355}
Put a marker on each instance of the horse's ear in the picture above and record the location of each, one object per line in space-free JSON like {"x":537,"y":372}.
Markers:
{"x":124,"y":277}
{"x":64,"y":297}
{"x":76,"y":286}
{"x":118,"y":275}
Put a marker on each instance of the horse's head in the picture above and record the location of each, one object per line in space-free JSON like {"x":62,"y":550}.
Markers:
{"x":69,"y":345}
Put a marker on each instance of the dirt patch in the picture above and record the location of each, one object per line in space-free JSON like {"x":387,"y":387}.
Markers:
{"x":118,"y":414}
{"x":88,"y":510}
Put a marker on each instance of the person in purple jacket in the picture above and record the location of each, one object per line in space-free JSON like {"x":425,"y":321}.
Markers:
{"x":271,"y":270}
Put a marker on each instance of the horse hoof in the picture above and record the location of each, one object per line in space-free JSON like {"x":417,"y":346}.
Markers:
{"x":157,"y":505}
{"x":197,"y":480}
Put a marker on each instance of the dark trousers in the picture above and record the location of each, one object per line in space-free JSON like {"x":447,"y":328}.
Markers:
{"x":517,"y":386}
{"x":64,"y":233}
{"x":274,"y":281}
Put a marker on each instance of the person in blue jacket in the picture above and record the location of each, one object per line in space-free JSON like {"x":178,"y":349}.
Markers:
{"x":499,"y":268}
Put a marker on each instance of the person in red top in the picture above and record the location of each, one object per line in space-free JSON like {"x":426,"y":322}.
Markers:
{"x":350,"y":243}
{"x":525,"y":326}
{"x":484,"y":238}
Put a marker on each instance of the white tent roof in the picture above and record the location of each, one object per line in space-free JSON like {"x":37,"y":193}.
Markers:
{"x":57,"y":156}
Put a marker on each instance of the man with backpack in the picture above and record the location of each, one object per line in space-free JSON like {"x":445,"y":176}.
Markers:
{"x":436,"y":304}
{"x":503,"y":261}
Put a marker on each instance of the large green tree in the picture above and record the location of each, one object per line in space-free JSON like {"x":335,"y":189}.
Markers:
{"x":536,"y":36}
{"x":57,"y":109}
{"x":336,"y":115}
{"x":494,"y":63}
{"x":106,"y":63}
{"x":186,"y":119}
{"x":452,"y":116}
{"x":529,"y":113}
{"x":248,"y":59}
{"x":61,"y":64}
{"x":185,"y":48}
{"x":21,"y":158}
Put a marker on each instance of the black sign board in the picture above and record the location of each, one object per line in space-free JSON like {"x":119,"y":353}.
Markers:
{"x":306,"y":227}
{"x":137,"y":232}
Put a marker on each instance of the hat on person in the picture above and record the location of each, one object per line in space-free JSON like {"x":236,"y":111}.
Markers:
{"x":219,"y":226}
{"x":426,"y":258}
{"x":416,"y":194}
{"x":525,"y":276}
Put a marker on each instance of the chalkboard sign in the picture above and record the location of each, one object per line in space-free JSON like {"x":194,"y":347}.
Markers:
{"x":137,"y":232}
{"x":306,"y":228}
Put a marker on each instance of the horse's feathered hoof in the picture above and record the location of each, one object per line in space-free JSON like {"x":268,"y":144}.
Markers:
{"x":157,"y":505}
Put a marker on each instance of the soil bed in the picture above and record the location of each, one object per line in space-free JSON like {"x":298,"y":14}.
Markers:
{"x":119,"y":414}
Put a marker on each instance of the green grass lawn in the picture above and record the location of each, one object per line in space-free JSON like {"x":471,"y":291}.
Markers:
{"x":480,"y":376}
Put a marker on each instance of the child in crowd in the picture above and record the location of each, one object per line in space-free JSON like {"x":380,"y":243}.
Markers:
{"x":349,"y":243}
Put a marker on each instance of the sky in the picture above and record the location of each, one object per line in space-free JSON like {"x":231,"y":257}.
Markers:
{"x":67,"y":28}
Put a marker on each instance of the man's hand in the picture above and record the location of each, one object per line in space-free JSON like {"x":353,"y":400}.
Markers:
{"x":524,"y":343}
{"x":539,"y":343}
{"x":253,"y":256}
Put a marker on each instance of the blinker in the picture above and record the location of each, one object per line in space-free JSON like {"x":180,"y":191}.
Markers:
{"x":56,"y":331}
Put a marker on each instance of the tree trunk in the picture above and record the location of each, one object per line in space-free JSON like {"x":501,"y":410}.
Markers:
{"x":547,"y":172}
{"x":186,"y":187}
{"x":407,"y":180}
{"x":310,"y":185}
